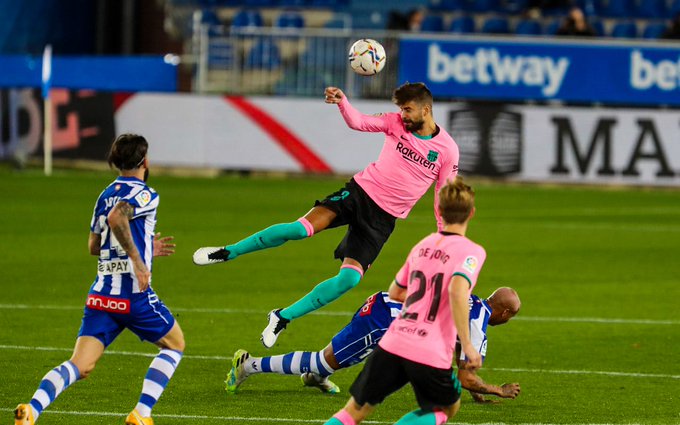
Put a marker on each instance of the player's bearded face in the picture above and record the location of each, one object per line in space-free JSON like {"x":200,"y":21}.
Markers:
{"x":413,"y":116}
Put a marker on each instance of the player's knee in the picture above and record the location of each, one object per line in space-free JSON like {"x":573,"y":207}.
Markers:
{"x":84,"y":368}
{"x":451,"y":410}
{"x":348,"y":278}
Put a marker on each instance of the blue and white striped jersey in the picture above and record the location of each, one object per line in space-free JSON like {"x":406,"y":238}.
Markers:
{"x":115,"y":275}
{"x":479,"y":320}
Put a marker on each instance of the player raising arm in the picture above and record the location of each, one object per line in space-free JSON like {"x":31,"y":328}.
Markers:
{"x":416,"y":153}
{"x":439,"y":273}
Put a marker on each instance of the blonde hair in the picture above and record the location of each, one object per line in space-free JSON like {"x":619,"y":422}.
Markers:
{"x":456,"y":201}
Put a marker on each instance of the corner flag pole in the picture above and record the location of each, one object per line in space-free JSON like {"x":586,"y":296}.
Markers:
{"x":47,"y":119}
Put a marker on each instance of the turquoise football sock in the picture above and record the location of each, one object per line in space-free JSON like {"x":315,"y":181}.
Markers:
{"x":324,"y":293}
{"x":333,"y":421}
{"x":270,"y":237}
{"x":418,"y":417}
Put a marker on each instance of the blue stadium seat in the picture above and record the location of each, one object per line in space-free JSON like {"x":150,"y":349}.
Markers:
{"x":528,"y":27}
{"x":496,"y":25}
{"x":653,"y":9}
{"x":290,"y":19}
{"x":619,"y":8}
{"x":553,"y":26}
{"x":485,"y":6}
{"x":247,"y":18}
{"x":624,"y":29}
{"x":263,"y":55}
{"x":654,"y":30}
{"x":293,"y":3}
{"x":462,"y":25}
{"x":209,"y":17}
{"x":447,"y":5}
{"x":597,"y":25}
{"x":675,"y":8}
{"x":332,"y":4}
{"x":259,"y":3}
{"x":337,"y":23}
{"x":515,"y":7}
{"x":432,"y":23}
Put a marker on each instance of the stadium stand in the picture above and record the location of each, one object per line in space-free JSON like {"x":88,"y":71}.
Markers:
{"x":624,"y":30}
{"x":528,"y":27}
{"x":433,"y":23}
{"x":654,"y":30}
{"x":463,"y":24}
{"x":496,"y":25}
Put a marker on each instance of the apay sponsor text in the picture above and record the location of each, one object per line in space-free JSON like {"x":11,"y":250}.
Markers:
{"x":486,"y":66}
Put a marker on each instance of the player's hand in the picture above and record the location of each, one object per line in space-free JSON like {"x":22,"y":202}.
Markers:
{"x":510,"y":390}
{"x":333,"y":95}
{"x":163,"y":246}
{"x":478,"y":398}
{"x":143,"y":275}
{"x":473,"y":360}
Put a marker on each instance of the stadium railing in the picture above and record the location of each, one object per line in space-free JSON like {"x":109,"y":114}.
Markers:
{"x":287,"y":61}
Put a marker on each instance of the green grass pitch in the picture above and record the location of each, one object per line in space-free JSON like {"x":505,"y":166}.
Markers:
{"x":598,"y":271}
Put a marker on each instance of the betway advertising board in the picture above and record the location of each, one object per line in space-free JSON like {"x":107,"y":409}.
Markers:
{"x":632,"y":74}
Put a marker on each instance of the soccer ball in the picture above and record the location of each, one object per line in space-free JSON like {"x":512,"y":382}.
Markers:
{"x":366,"y":57}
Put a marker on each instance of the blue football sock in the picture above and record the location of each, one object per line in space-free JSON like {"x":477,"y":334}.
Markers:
{"x":294,"y":363}
{"x":53,"y":384}
{"x":160,"y":371}
{"x":324,"y":293}
{"x":270,"y":237}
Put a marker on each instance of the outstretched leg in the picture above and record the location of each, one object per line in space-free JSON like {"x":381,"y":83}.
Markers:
{"x":296,"y":363}
{"x":86,"y":353}
{"x":315,"y":221}
{"x":324,"y":293}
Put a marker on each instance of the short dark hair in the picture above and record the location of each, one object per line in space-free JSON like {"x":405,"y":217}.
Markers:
{"x":417,"y":92}
{"x":128,"y":151}
{"x":456,"y":201}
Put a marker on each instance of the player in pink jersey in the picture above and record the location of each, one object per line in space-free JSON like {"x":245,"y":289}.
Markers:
{"x":415,"y":154}
{"x":419,"y":346}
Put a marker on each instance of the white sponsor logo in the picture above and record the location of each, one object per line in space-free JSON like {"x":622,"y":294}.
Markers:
{"x":470,"y":264}
{"x":113,"y":267}
{"x":143,"y":198}
{"x":114,"y":305}
{"x":645,"y":74}
{"x":487,"y":66}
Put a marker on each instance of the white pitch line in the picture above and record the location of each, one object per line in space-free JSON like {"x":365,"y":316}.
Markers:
{"x":261,"y":419}
{"x":350,"y":313}
{"x":227,"y":358}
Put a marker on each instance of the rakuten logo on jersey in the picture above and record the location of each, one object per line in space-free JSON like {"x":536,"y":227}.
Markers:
{"x":413,"y":156}
{"x":487,"y":66}
{"x":111,"y":305}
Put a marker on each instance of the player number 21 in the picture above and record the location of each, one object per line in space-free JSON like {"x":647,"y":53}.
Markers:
{"x":419,"y":278}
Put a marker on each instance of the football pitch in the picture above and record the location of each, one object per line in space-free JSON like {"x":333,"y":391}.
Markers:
{"x":598,"y":270}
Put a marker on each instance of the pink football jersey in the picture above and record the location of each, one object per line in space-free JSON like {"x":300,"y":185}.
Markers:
{"x":425,"y":331}
{"x":406,"y":166}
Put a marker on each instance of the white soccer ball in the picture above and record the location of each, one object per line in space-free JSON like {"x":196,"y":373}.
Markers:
{"x":367,"y":57}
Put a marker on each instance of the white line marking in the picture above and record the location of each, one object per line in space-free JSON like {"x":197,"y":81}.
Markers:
{"x":350,"y":313}
{"x":228,"y":358}
{"x":256,"y":419}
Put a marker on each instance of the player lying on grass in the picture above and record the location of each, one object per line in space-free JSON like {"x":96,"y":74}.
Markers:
{"x":122,"y":236}
{"x":361,"y":335}
{"x":416,"y":153}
